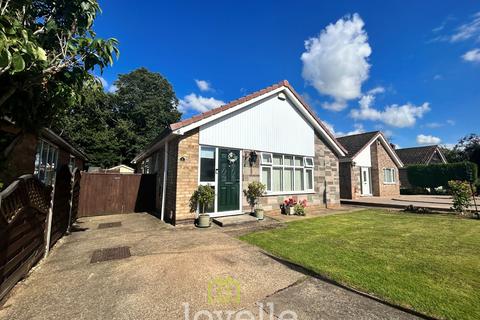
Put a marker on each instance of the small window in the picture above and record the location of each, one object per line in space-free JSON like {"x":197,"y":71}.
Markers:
{"x":71,"y":163}
{"x":277,"y":159}
{"x":309,"y":178}
{"x":288,"y":160}
{"x":266,"y":158}
{"x":298,"y":161}
{"x":389,"y":176}
{"x":46,"y":162}
{"x":308,"y":162}
{"x":207,"y":164}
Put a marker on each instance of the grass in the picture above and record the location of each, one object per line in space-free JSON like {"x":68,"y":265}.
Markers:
{"x":430,"y":263}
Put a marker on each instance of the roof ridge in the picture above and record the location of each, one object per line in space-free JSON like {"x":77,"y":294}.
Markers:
{"x":419,"y":147}
{"x":359,"y":134}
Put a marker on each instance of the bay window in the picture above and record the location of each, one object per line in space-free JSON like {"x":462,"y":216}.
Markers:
{"x":286,"y":173}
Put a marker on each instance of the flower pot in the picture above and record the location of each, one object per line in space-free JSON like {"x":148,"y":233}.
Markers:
{"x":291,"y":211}
{"x":259,"y":214}
{"x":203,"y":221}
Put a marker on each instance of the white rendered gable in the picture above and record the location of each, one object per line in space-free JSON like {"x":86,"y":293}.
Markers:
{"x":271,"y":125}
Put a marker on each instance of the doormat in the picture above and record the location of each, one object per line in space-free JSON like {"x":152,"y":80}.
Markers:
{"x":110,"y":225}
{"x":116,"y":253}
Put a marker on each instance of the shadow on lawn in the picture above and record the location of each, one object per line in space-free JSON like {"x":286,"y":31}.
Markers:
{"x":308,"y":272}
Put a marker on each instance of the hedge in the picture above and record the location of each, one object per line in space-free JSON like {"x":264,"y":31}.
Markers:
{"x":437,"y":175}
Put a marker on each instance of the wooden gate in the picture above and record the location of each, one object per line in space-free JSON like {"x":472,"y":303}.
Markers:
{"x":112,"y":193}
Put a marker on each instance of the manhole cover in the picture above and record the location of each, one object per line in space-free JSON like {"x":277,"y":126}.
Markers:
{"x":110,"y":254}
{"x":110,"y":225}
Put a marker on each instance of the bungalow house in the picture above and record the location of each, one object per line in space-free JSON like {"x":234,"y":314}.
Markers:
{"x":370,"y":168}
{"x":271,"y":136}
{"x":418,"y":155}
{"x":39,"y":154}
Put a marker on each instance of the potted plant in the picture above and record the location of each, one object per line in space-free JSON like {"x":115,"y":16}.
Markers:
{"x":200,"y":199}
{"x":288,"y":206}
{"x":299,"y":208}
{"x":254,"y":191}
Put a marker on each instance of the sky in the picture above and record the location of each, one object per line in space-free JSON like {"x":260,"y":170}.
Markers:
{"x":408,"y":68}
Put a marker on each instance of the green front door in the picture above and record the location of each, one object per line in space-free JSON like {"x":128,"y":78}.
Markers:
{"x":228,"y":180}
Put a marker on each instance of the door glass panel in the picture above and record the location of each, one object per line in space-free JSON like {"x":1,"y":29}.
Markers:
{"x":207,"y":164}
{"x":288,"y":179}
{"x":298,"y":179}
{"x":277,"y":179}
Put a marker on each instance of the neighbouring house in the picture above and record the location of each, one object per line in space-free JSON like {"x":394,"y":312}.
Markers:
{"x":371,"y":167}
{"x":418,"y":155}
{"x":120,"y":169}
{"x":39,"y":154}
{"x":271,"y":136}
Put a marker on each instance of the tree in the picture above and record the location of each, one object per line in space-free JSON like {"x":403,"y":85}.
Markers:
{"x":145,"y":104}
{"x":47,"y":51}
{"x":91,"y":126}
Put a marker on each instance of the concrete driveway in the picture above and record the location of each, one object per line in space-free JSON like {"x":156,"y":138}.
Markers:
{"x":168,"y":268}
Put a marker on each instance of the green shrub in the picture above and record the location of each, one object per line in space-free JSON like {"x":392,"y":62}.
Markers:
{"x":438,"y":175}
{"x":461,"y":193}
{"x":254,"y":191}
{"x":202,"y":197}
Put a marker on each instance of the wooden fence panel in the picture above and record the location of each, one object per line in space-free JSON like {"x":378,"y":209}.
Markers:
{"x":24,"y":207}
{"x":113,"y":193}
{"x":61,"y":203}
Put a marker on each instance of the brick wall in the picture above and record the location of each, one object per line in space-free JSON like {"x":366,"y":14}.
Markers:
{"x":187,"y":174}
{"x":380,"y":160}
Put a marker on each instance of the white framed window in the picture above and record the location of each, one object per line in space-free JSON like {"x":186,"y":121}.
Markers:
{"x":308,"y":162}
{"x":287,"y":173}
{"x":389,"y":176}
{"x":46,"y":162}
{"x":207,"y":165}
{"x":266,"y":158}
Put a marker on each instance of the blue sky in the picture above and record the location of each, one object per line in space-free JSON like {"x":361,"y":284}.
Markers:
{"x":409,"y":68}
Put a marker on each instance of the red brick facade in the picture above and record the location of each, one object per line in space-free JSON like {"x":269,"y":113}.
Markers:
{"x":350,"y":179}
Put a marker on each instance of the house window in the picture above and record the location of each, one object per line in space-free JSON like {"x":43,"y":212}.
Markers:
{"x":286,"y":173}
{"x":389,"y":176}
{"x":207,"y":164}
{"x":46,"y":162}
{"x":148,"y":166}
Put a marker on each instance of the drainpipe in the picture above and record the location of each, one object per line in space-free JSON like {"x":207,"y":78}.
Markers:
{"x":164,"y":189}
{"x":72,"y":184}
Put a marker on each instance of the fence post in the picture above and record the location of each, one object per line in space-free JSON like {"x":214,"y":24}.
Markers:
{"x":72,"y":186}
{"x":48,"y":228}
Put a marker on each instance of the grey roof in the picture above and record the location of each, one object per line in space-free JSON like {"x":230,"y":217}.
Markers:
{"x":416,"y":155}
{"x":356,"y":142}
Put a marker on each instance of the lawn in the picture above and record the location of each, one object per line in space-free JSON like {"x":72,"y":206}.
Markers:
{"x":430,"y":263}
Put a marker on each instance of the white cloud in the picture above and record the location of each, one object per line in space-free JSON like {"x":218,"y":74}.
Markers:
{"x":427,"y":139}
{"x":437,"y":77}
{"x":335,"y":63}
{"x":376,"y":90}
{"x":203,"y":85}
{"x":395,"y":115}
{"x":451,"y":122}
{"x":358,"y":128}
{"x":109,"y":88}
{"x":468,"y":30}
{"x":472,"y":55}
{"x":198,"y":103}
{"x":434,"y":125}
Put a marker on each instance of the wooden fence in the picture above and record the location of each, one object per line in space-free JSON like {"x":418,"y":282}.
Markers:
{"x":24,"y":210}
{"x":113,"y":193}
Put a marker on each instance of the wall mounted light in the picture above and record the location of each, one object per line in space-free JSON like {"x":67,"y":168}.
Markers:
{"x":252,"y":158}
